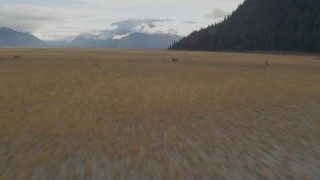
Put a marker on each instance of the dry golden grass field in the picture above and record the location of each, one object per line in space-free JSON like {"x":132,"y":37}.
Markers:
{"x":136,"y":114}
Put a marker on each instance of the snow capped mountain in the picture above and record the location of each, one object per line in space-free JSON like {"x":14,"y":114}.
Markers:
{"x":133,"y":33}
{"x":123,"y":29}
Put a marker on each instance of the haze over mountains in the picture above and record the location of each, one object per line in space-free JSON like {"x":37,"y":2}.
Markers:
{"x":285,"y":25}
{"x":146,"y":33}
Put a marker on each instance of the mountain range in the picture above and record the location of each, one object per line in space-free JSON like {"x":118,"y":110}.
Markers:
{"x":281,"y":25}
{"x":146,"y":33}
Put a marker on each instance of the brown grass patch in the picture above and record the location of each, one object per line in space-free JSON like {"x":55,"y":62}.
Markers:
{"x":131,"y":114}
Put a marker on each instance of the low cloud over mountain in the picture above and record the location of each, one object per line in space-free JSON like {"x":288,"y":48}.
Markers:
{"x":134,"y":33}
{"x":123,"y":29}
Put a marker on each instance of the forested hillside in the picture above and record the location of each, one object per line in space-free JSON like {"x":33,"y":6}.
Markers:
{"x":284,"y":25}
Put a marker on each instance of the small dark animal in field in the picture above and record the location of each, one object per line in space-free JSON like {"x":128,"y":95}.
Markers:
{"x":96,"y":64}
{"x":266,"y":64}
{"x":17,"y":57}
{"x":174,"y":60}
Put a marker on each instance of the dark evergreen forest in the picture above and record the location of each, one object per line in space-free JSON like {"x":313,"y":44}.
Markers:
{"x":282,"y":25}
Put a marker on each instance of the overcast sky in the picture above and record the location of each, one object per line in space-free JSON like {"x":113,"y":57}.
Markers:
{"x":65,"y":19}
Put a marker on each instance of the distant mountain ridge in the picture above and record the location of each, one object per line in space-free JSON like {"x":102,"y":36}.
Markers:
{"x":145,"y":33}
{"x":135,"y":40}
{"x":282,"y":25}
{"x":10,"y":37}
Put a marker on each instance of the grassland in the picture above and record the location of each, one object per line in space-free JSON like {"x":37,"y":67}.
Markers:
{"x":131,"y":114}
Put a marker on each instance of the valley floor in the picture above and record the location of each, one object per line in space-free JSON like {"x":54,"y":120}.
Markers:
{"x":136,"y":114}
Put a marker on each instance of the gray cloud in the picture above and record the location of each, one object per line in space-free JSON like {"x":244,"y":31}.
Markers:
{"x":216,"y":13}
{"x":132,"y":22}
{"x":22,"y":20}
{"x":52,"y":23}
{"x":190,"y":22}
